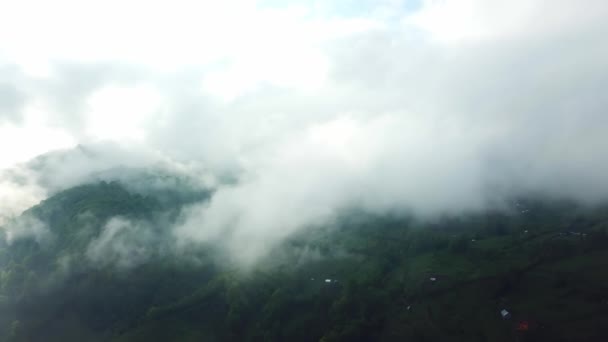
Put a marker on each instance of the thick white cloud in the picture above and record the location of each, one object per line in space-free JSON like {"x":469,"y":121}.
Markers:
{"x":118,"y":113}
{"x":466,"y":21}
{"x":442,"y":109}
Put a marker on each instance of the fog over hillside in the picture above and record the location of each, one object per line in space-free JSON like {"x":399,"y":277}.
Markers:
{"x":293,"y":112}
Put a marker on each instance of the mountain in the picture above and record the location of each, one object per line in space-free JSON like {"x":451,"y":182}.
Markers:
{"x":100,"y":262}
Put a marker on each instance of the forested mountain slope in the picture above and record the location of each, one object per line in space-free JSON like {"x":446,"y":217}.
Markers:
{"x":99,"y":262}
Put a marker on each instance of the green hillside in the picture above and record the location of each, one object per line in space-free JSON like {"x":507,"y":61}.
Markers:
{"x":364,"y":278}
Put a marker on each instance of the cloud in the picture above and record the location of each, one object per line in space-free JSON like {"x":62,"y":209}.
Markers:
{"x":466,"y":21}
{"x":121,"y":243}
{"x":336,"y":165}
{"x":445,"y":107}
{"x":18,"y":192}
{"x":430,"y":129}
{"x":12,"y":96}
{"x":27,"y":227}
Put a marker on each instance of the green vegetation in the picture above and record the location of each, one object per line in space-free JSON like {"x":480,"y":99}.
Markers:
{"x":366,"y":278}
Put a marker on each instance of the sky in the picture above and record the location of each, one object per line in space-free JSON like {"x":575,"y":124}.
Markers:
{"x":432,"y":106}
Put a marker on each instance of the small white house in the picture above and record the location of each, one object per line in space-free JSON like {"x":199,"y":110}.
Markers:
{"x":505,"y":314}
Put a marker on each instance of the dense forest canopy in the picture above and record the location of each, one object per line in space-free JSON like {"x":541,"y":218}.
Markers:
{"x":103,"y":264}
